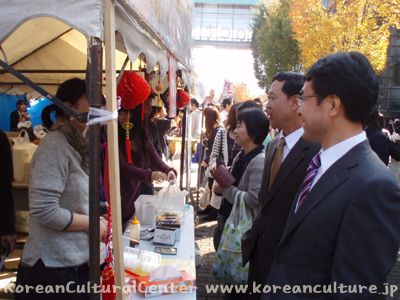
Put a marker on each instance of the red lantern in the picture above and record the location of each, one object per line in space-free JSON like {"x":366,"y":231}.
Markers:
{"x":133,"y":90}
{"x":183,"y":99}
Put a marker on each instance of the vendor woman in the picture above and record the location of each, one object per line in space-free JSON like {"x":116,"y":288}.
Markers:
{"x":56,"y":252}
{"x":142,"y":151}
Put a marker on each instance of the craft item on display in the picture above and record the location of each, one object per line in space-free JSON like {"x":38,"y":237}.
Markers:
{"x":164,"y":235}
{"x":170,"y":220}
{"x":183,"y":99}
{"x":133,"y":90}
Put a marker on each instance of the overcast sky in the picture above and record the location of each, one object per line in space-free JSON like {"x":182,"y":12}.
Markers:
{"x":213,"y":65}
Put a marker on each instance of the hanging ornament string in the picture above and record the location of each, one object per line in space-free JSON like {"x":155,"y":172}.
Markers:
{"x":128,"y":126}
{"x":108,"y":277}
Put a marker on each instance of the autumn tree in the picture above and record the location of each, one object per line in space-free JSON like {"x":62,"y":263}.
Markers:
{"x":324,"y":27}
{"x":241,"y":92}
{"x":274,"y":48}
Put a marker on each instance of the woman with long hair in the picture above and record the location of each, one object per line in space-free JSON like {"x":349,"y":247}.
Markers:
{"x":142,"y":151}
{"x":57,"y":249}
{"x":225,"y":144}
{"x":213,"y":125}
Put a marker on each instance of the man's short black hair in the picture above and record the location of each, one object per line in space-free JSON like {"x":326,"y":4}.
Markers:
{"x":194,"y":102}
{"x":226,"y":101}
{"x":257,"y":123}
{"x":293,"y":82}
{"x":349,"y":76}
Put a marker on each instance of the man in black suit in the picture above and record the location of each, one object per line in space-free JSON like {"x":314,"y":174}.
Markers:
{"x":19,"y":115}
{"x":287,"y":163}
{"x":342,"y":235}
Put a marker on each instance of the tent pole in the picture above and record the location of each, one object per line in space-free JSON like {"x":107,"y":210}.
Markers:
{"x":95,"y":65}
{"x":183,"y":122}
{"x":115,"y":197}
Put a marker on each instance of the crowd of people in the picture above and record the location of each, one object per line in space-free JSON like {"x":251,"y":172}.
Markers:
{"x":311,"y":172}
{"x":324,"y":206}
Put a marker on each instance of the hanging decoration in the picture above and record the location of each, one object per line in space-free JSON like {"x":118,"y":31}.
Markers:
{"x":133,"y":91}
{"x":108,"y":277}
{"x":183,"y":99}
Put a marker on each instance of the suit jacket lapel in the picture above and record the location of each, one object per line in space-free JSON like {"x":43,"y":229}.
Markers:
{"x":330,"y":180}
{"x":289,"y":164}
{"x":269,"y":157}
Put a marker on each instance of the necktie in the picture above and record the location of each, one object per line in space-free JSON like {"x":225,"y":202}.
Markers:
{"x":308,"y":180}
{"x":276,"y":163}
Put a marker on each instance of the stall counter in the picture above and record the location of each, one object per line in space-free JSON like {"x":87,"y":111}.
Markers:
{"x":185,"y":255}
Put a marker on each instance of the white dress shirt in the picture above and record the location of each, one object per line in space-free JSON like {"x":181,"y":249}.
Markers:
{"x":333,"y":154}
{"x":223,"y":116}
{"x":291,"y":140}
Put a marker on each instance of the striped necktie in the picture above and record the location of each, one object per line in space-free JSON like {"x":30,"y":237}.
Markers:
{"x":308,"y":180}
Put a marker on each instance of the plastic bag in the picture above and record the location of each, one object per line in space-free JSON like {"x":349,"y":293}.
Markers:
{"x":205,"y":197}
{"x":228,"y":264}
{"x":22,"y":155}
{"x":172,"y":200}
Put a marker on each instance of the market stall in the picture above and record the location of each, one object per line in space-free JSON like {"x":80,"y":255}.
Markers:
{"x":49,"y":41}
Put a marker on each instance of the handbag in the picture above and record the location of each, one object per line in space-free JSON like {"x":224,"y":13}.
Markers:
{"x":223,"y":177}
{"x":228,"y":264}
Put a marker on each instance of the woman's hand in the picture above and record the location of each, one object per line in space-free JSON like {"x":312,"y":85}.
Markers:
{"x":204,"y":164}
{"x":158,"y":176}
{"x":10,"y":239}
{"x":103,"y":229}
{"x":172,"y":177}
{"x":217,"y":188}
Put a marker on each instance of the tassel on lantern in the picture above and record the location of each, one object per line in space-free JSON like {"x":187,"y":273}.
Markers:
{"x":128,"y":148}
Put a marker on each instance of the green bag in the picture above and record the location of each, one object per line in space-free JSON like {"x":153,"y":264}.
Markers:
{"x":228,"y":266}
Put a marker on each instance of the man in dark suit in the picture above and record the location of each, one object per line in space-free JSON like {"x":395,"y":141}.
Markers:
{"x":342,"y":235}
{"x":19,"y":115}
{"x":287,"y":164}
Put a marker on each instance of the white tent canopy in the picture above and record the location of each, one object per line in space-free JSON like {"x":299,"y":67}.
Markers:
{"x":42,"y":36}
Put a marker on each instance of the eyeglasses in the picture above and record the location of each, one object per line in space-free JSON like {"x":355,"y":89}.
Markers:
{"x":300,"y":99}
